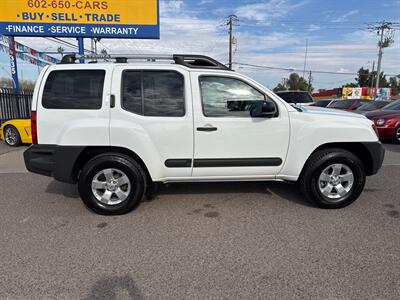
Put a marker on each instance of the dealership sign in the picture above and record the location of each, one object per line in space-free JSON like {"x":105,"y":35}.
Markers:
{"x":80,"y":18}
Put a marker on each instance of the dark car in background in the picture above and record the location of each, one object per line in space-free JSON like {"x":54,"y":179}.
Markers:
{"x":321,"y":103}
{"x":348,"y":105}
{"x":370,"y":106}
{"x":296,"y":97}
{"x":387,"y":121}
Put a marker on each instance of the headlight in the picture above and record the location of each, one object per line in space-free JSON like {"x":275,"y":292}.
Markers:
{"x":380,"y":122}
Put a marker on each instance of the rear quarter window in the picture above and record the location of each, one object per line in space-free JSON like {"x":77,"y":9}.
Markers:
{"x":153,"y":93}
{"x":74,"y":89}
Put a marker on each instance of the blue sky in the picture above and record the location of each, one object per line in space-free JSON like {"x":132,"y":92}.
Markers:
{"x":271,"y":33}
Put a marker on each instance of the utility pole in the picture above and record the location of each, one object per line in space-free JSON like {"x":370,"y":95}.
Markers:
{"x":385,"y":31}
{"x":309,"y":81}
{"x":284,"y":81}
{"x":95,"y":45}
{"x":372,"y":75}
{"x":230,"y":43}
{"x":380,"y":52}
{"x":231,"y":21}
{"x":305,"y":59}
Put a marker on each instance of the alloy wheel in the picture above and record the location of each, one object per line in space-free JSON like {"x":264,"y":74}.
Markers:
{"x":11,"y":136}
{"x":111,"y":186}
{"x":336,"y":181}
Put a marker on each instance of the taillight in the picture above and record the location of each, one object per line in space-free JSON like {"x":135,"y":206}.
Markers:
{"x":376,"y":130}
{"x":33,"y":127}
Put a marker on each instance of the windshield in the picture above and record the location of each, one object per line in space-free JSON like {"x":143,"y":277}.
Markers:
{"x":322,"y":103}
{"x":295,"y":97}
{"x":393,"y":106}
{"x":341,"y":104}
{"x":373,"y":105}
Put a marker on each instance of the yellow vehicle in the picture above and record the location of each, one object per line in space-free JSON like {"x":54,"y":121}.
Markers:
{"x":16,"y":132}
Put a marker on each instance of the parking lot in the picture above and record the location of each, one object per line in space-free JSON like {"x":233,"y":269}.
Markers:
{"x":254,"y":240}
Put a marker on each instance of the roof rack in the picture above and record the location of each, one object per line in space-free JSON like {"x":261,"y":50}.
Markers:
{"x":192,"y":61}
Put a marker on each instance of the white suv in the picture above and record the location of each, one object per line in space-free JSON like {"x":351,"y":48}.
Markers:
{"x":118,"y":128}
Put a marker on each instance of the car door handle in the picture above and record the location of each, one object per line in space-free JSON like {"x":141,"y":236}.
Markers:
{"x":112,"y":101}
{"x":207,"y":128}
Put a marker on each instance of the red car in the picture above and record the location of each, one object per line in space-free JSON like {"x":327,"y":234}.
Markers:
{"x":387,"y":121}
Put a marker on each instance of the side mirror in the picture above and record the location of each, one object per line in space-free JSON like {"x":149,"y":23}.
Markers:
{"x":263,"y":109}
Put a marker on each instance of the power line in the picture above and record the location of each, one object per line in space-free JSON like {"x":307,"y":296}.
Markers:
{"x":63,"y":42}
{"x":58,"y":42}
{"x":299,"y":70}
{"x":108,"y":49}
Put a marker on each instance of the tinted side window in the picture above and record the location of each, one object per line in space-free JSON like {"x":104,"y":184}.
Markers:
{"x":153,"y":93}
{"x":228,"y":97}
{"x":163,"y":94}
{"x":132,"y":92}
{"x":74,"y":89}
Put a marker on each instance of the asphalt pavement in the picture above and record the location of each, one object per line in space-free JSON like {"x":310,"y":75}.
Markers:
{"x":254,"y":240}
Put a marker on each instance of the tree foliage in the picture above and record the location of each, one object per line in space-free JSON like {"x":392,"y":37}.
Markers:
{"x":5,"y":82}
{"x":23,"y":84}
{"x":394,"y":84}
{"x":365,"y":78}
{"x":294,"y":82}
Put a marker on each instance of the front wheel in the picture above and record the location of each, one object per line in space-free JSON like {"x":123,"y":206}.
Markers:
{"x":333,"y":178}
{"x":397,"y":135}
{"x":112,"y":184}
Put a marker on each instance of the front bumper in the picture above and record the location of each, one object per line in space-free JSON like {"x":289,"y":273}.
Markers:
{"x":54,"y":161}
{"x":386,"y":133}
{"x":377,"y":154}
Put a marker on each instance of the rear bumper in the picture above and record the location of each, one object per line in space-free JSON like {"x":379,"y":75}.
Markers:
{"x":377,"y":154}
{"x":54,"y":161}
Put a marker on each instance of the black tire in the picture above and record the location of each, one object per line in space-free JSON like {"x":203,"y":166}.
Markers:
{"x":321,"y":161}
{"x":12,"y":136}
{"x":117,"y":161}
{"x":396,"y":137}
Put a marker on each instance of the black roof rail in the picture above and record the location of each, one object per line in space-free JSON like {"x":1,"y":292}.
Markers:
{"x":193,"y":61}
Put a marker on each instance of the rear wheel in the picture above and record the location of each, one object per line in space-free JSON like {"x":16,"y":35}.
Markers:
{"x":333,"y":178}
{"x":112,"y":184}
{"x":11,"y":136}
